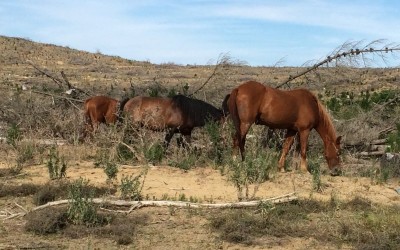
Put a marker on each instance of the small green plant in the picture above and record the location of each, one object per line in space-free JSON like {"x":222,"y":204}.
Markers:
{"x":315,"y":170}
{"x":155,"y":90}
{"x":393,"y":140}
{"x":216,"y":151}
{"x":111,"y":170}
{"x":171,"y":93}
{"x":334,"y":104}
{"x":365,"y":102}
{"x":131,"y":187}
{"x":264,"y":207}
{"x":255,"y":169}
{"x":109,"y":166}
{"x":56,"y":165}
{"x":25,"y":153}
{"x":81,"y":208}
{"x":13,"y":135}
{"x":182,"y":197}
{"x":154,"y":153}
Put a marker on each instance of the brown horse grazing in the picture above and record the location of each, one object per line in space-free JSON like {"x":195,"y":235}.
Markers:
{"x":179,"y":114}
{"x":100,"y":109}
{"x":297,"y":111}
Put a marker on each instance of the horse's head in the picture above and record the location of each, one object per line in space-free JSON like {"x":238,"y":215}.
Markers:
{"x":332,"y":153}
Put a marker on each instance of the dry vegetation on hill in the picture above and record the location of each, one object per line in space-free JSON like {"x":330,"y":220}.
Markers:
{"x":34,"y":105}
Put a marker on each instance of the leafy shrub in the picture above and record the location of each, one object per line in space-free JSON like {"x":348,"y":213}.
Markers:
{"x":154,"y":153}
{"x":131,"y":188}
{"x":81,"y":209}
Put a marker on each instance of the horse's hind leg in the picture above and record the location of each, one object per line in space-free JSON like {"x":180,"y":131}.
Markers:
{"x":289,"y":138}
{"x":244,"y":128}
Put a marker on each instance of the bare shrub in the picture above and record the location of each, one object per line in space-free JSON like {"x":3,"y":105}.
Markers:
{"x":49,"y":221}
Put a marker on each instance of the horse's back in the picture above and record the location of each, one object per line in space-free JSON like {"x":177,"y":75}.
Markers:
{"x":152,"y":112}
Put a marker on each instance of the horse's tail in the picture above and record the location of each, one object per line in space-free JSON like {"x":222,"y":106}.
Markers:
{"x":87,"y":121}
{"x":232,"y":107}
{"x":120,"y":110}
{"x":225,"y":107}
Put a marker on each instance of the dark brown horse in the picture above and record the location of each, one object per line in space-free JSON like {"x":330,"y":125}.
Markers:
{"x":297,"y":111}
{"x":179,"y":114}
{"x":100,"y":109}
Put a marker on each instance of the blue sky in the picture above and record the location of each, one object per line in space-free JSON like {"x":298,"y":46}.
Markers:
{"x":196,"y":32}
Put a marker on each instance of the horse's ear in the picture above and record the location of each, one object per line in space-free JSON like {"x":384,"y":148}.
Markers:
{"x":338,"y":139}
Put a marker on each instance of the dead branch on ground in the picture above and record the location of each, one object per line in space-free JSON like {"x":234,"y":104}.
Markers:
{"x":140,"y":204}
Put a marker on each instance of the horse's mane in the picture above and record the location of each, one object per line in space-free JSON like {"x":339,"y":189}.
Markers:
{"x":198,"y":111}
{"x":325,"y":119}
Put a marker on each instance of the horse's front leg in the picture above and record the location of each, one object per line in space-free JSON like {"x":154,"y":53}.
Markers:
{"x":289,"y":138}
{"x":168,"y":136}
{"x":184,"y":139}
{"x":303,"y":149}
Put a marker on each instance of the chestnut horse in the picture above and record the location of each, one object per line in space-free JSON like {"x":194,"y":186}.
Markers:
{"x":297,"y":111}
{"x":179,"y":114}
{"x":100,"y":109}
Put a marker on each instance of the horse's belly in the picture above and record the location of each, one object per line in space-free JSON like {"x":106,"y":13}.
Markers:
{"x":276,"y":122}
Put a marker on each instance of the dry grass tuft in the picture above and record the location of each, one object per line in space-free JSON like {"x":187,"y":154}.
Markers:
{"x":357,"y":223}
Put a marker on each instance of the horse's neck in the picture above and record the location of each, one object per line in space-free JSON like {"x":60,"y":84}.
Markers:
{"x":326,"y":131}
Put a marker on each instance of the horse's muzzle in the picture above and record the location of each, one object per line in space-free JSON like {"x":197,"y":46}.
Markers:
{"x":336,"y":171}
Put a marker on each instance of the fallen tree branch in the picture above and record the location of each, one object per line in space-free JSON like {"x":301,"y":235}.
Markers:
{"x":221,"y":62}
{"x":139,"y":204}
{"x":56,"y":80}
{"x":57,"y":96}
{"x":368,"y":154}
{"x":339,"y":53}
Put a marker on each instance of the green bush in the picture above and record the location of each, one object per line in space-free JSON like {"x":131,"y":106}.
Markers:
{"x":154,"y":153}
{"x":81,"y":208}
{"x":255,"y":169}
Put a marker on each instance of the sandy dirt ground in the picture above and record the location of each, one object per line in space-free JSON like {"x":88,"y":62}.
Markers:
{"x":178,"y":229}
